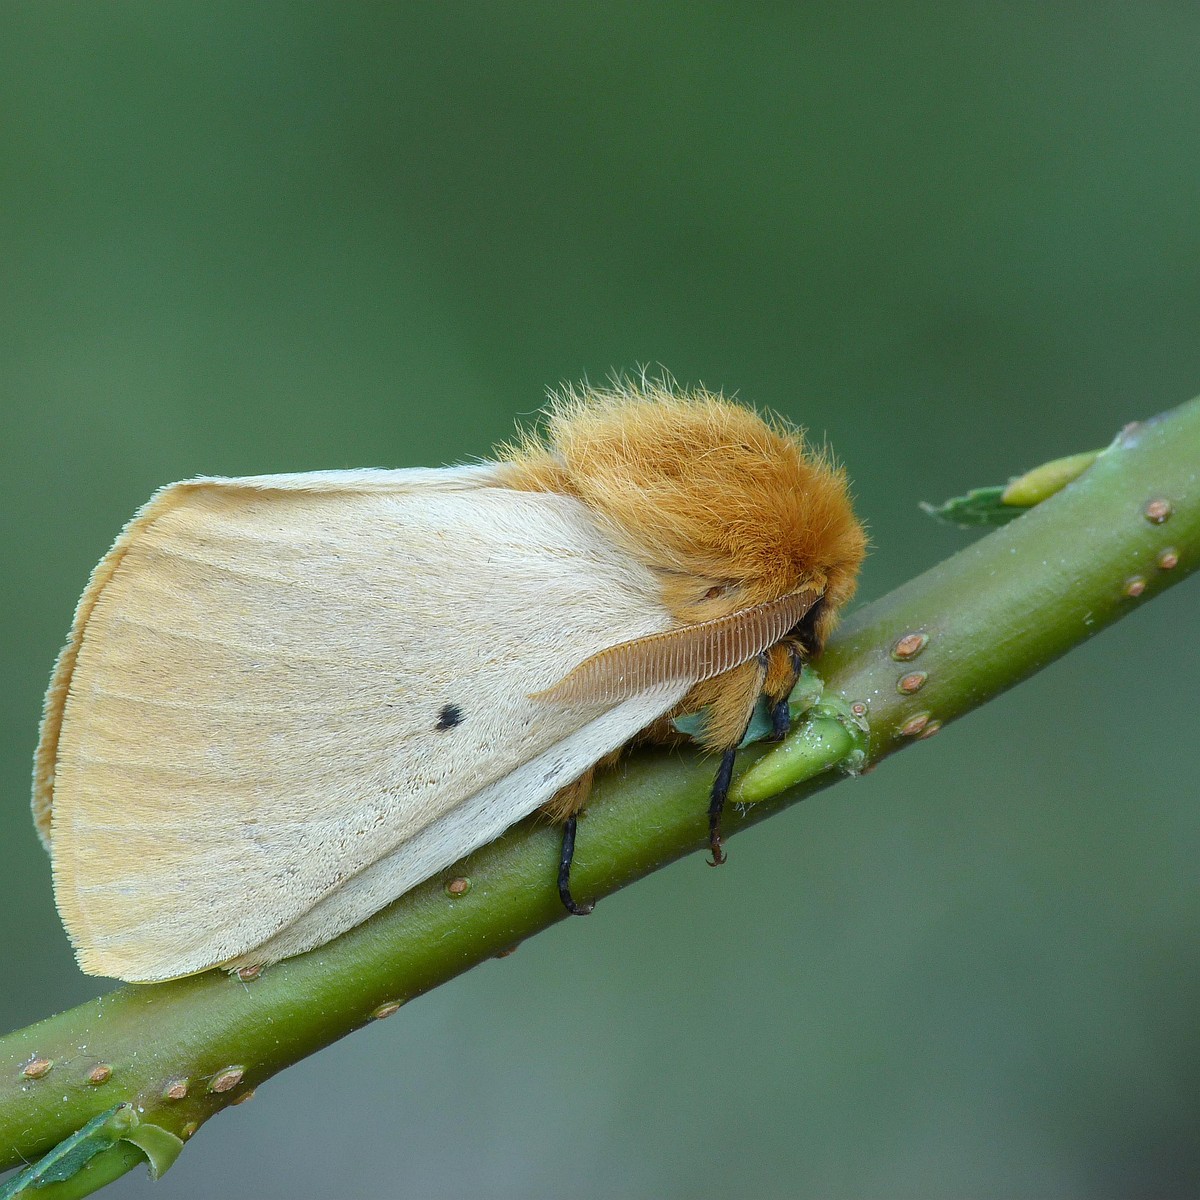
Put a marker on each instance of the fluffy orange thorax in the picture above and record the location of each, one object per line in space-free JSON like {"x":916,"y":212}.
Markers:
{"x":728,"y":508}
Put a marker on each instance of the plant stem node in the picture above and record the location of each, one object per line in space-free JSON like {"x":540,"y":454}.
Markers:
{"x":909,"y":646}
{"x":37,"y":1068}
{"x":226,"y":1080}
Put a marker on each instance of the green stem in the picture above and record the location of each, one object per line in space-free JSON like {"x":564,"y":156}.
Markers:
{"x":1014,"y":601}
{"x":990,"y":616}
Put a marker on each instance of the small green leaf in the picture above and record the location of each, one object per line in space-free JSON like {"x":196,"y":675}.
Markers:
{"x":980,"y":506}
{"x":72,"y":1153}
{"x":98,"y":1172}
{"x":760,"y":723}
{"x":807,"y":692}
{"x":159,"y":1145}
{"x":999,"y":505}
{"x":832,"y":735}
{"x":691,"y":724}
{"x":119,"y":1124}
{"x":1035,"y":486}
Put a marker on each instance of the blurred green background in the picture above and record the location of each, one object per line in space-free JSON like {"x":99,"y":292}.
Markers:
{"x":956,"y":240}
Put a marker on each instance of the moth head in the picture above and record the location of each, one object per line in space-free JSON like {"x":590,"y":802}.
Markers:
{"x":728,"y":508}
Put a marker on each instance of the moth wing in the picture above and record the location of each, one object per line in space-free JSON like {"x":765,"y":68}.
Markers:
{"x":388,"y":481}
{"x":287,"y":700}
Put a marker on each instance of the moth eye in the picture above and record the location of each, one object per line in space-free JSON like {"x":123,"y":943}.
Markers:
{"x":714,"y":592}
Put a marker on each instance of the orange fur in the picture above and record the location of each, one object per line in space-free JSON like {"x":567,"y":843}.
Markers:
{"x":569,"y":800}
{"x":729,"y":699}
{"x":783,"y":669}
{"x":728,"y":508}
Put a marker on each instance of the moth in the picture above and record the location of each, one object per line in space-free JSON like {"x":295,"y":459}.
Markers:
{"x":288,"y":699}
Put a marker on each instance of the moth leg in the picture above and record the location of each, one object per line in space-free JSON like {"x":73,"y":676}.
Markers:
{"x":731,"y":710}
{"x":785,"y":661}
{"x":564,"y":808}
{"x":716,"y":806}
{"x":564,"y":872}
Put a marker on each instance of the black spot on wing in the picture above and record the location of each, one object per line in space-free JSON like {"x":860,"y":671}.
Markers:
{"x":450,"y":716}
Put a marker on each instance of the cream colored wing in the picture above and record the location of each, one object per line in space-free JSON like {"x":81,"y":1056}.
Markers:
{"x":367,"y":480}
{"x":287,"y":700}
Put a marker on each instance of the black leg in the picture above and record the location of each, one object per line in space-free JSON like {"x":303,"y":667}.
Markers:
{"x":720,"y":790}
{"x":781,"y":710}
{"x":564,"y":872}
{"x":720,"y":787}
{"x":781,"y":719}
